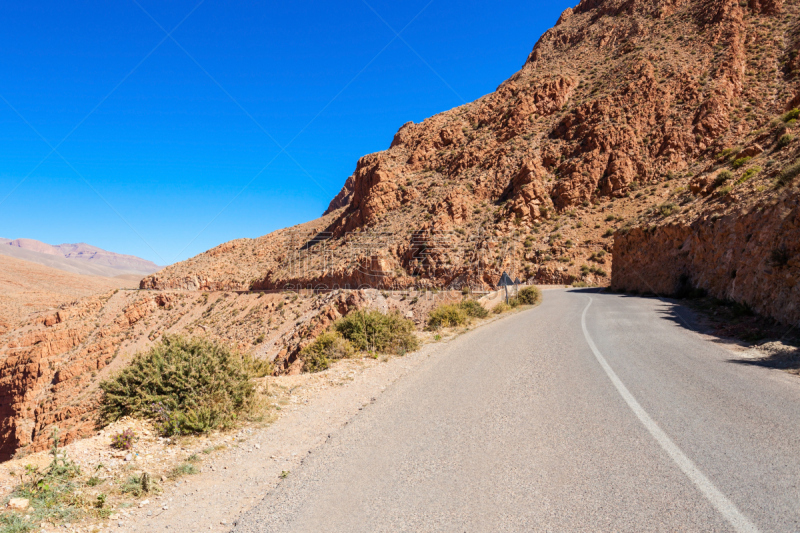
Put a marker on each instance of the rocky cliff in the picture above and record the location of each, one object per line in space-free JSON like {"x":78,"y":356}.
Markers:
{"x":617,"y":107}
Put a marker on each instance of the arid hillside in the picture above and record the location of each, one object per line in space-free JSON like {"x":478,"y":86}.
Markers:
{"x":78,"y":258}
{"x":617,"y":109}
{"x":28,"y":288}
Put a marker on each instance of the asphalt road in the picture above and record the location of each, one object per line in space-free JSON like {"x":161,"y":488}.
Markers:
{"x":611,"y":417}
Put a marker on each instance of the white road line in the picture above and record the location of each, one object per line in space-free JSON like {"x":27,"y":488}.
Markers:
{"x":720,"y":502}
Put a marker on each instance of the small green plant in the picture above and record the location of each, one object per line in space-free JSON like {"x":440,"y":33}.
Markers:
{"x":447,"y":315}
{"x":529,"y":296}
{"x":785,"y":140}
{"x":791,"y":115}
{"x":473,"y":308}
{"x":14,"y":523}
{"x":739,"y":163}
{"x":185,"y":386}
{"x":284,"y":474}
{"x":727,"y":152}
{"x":183,"y":469}
{"x":724,"y":191}
{"x":93,"y":481}
{"x":123,"y":440}
{"x":667,"y":209}
{"x":502,"y":307}
{"x":53,"y":494}
{"x":373,"y":331}
{"x":329,"y":346}
{"x":609,"y":232}
{"x":749,"y":173}
{"x":788,"y":174}
{"x":100,"y":501}
{"x":723,"y":177}
{"x":136,"y":485}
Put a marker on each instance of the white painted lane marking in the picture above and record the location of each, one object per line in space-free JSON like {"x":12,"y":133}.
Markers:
{"x":720,"y":502}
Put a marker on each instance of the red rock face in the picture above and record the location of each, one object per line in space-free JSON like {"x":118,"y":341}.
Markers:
{"x":619,"y":96}
{"x":747,"y":256}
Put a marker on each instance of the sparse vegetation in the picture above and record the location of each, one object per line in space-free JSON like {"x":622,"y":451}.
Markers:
{"x":749,"y":173}
{"x":722,"y":178}
{"x":183,"y":469}
{"x":329,"y":346}
{"x":789,"y":174}
{"x":785,"y":140}
{"x":53,"y":494}
{"x":373,"y":331}
{"x":185,"y":386}
{"x":742,"y":161}
{"x":456,"y":314}
{"x":529,"y":295}
{"x":502,"y":307}
{"x":791,"y":115}
{"x":123,"y":440}
{"x":667,"y":209}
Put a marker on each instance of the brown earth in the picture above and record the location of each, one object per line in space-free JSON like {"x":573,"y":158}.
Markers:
{"x":619,"y":124}
{"x":51,"y":365}
{"x":27,"y":288}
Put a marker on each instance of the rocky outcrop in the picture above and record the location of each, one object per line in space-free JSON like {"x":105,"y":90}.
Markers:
{"x":620,"y":96}
{"x":748,"y":256}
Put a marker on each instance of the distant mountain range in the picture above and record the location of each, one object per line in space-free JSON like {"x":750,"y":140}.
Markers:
{"x":78,"y":258}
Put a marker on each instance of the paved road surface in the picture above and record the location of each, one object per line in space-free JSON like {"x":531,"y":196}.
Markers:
{"x":614,"y":417}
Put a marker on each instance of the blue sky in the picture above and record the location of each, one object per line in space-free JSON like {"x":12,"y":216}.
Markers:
{"x":165,"y":148}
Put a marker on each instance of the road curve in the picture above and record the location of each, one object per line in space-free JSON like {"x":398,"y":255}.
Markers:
{"x":612,"y":416}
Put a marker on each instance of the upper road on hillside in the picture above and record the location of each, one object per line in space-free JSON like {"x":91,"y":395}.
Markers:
{"x":591,"y":412}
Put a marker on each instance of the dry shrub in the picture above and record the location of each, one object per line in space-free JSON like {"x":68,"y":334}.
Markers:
{"x":373,"y":331}
{"x":185,"y":386}
{"x":329,"y":346}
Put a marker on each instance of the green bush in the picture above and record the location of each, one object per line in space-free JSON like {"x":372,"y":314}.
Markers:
{"x":791,"y":115}
{"x":789,"y":174}
{"x":329,"y":346}
{"x":785,"y":140}
{"x":373,"y":331}
{"x":742,"y":161}
{"x":447,"y":315}
{"x":722,"y":177}
{"x":502,"y":307}
{"x":529,"y":296}
{"x":457,"y":314}
{"x":184,"y":385}
{"x":474,"y":309}
{"x":667,"y":209}
{"x":749,"y":173}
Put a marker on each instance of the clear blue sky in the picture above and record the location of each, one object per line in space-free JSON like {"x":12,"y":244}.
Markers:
{"x":166,"y":134}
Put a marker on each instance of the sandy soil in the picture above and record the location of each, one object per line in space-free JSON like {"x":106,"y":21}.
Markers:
{"x":27,"y":288}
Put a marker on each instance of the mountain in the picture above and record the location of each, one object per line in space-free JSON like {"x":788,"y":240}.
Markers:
{"x":648,"y":114}
{"x":650,"y":145}
{"x":28,"y":288}
{"x":77,"y":258}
